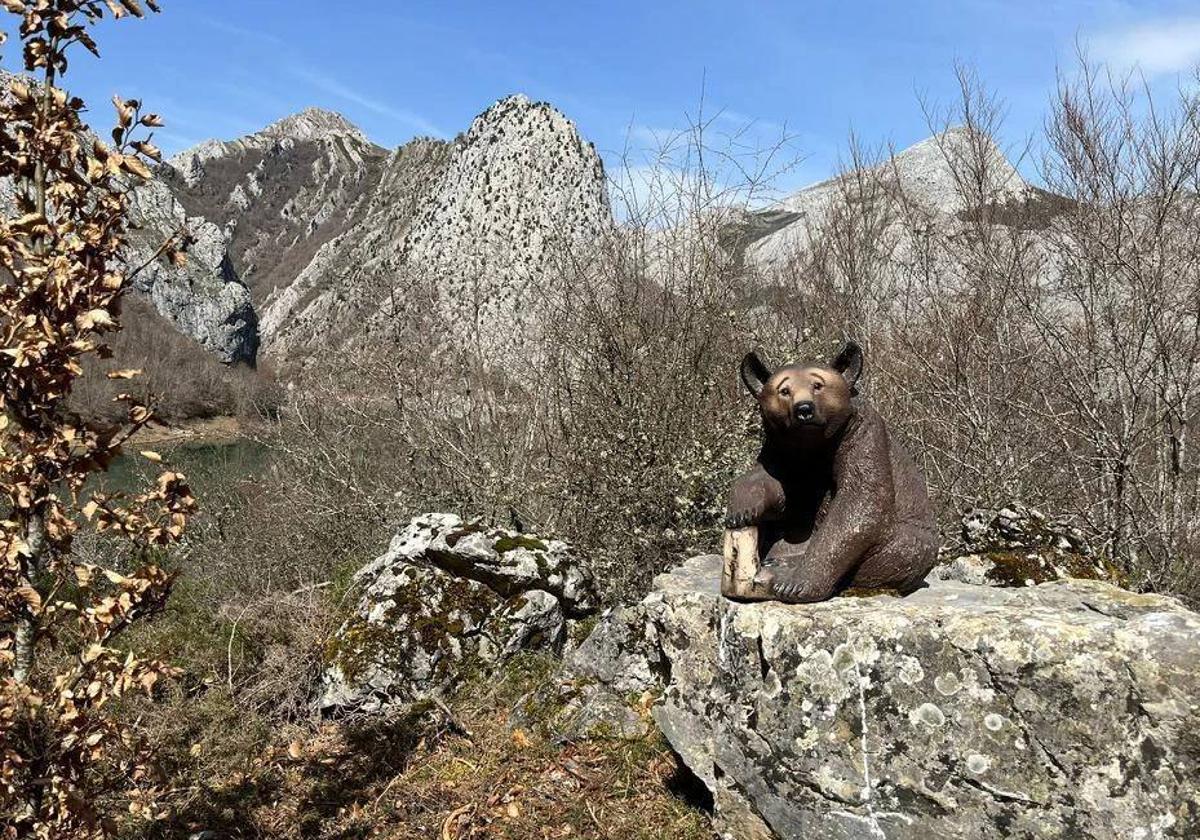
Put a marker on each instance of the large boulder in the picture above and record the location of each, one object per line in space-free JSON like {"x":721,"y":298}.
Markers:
{"x":1067,"y":709}
{"x":448,"y":600}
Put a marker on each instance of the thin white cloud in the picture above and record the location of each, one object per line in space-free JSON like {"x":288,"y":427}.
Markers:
{"x":256,"y":35}
{"x":654,"y":137}
{"x":335,"y":88}
{"x":1156,"y":48}
{"x":743,"y":123}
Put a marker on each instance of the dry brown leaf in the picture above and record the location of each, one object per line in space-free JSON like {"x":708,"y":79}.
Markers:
{"x":127,"y":373}
{"x":450,"y":824}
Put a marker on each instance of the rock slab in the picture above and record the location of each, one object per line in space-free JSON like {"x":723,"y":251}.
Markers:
{"x":1063,"y":710}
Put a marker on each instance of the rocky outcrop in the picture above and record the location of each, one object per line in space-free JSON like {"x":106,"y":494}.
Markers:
{"x":205,"y":298}
{"x":1017,"y":545}
{"x":470,"y":229}
{"x":446,"y":601}
{"x":1063,"y":710}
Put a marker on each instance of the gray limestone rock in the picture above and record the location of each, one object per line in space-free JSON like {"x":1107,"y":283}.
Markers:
{"x":205,"y":298}
{"x":1017,"y":545}
{"x":473,"y":227}
{"x":1070,"y":709}
{"x":447,"y":600}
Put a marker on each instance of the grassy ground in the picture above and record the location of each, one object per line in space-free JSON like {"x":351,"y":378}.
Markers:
{"x":242,"y":754}
{"x":425,"y":776}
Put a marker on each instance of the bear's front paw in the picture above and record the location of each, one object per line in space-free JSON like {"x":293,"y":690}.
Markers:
{"x":742,"y":517}
{"x":749,"y":502}
{"x":794,"y":585}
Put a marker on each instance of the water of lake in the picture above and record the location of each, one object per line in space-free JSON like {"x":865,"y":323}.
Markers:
{"x":210,"y":463}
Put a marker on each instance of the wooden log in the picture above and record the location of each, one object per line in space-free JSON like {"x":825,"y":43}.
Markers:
{"x":741,"y":565}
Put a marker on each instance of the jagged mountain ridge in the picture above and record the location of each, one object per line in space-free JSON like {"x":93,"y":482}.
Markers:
{"x":326,"y":228}
{"x":351,"y":227}
{"x":281,"y":192}
{"x":308,"y":233}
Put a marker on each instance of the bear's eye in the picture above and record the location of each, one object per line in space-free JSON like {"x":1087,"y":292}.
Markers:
{"x":817,"y":386}
{"x":785,"y":391}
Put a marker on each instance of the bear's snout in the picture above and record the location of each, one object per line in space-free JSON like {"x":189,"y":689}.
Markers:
{"x":804,"y":410}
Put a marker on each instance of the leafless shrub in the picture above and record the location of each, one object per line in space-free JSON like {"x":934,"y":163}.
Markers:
{"x":184,"y":380}
{"x":1044,"y":345}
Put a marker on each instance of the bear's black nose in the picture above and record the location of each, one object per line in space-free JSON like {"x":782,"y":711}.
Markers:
{"x":805,"y":410}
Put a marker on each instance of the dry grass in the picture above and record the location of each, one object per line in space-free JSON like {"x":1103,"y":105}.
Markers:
{"x":420,"y":776}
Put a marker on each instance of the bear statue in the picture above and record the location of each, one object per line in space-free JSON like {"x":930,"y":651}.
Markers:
{"x":837,"y":502}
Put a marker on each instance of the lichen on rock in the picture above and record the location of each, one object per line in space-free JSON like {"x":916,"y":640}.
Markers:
{"x":1068,"y":709}
{"x":447,"y":600}
{"x":1016,"y":545}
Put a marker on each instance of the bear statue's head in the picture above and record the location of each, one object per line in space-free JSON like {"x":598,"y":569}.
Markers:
{"x":806,"y":402}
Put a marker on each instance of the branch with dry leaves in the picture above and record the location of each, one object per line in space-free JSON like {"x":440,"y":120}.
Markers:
{"x":63,"y":248}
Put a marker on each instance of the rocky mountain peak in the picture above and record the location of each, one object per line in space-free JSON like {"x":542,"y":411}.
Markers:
{"x":518,"y":118}
{"x":937,"y":174}
{"x":519,"y":174}
{"x":280,"y":192}
{"x":310,"y":126}
{"x":510,"y":107}
{"x":314,"y":124}
{"x":927,"y":170}
{"x":480,"y":219}
{"x":521,"y":188}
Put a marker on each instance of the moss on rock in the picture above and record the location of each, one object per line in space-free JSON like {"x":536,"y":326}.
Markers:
{"x":514,"y":541}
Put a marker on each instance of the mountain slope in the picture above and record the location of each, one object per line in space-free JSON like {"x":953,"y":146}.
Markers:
{"x":281,"y":192}
{"x":931,"y":174}
{"x":472,"y":226}
{"x":334,"y":297}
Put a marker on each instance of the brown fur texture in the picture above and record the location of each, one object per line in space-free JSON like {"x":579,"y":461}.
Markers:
{"x":838,"y":503}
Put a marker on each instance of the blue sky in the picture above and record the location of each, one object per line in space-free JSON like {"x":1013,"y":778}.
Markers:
{"x":622,"y":70}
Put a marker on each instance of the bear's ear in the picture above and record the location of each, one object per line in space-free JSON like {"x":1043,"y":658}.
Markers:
{"x":849,"y":363}
{"x":754,"y":373}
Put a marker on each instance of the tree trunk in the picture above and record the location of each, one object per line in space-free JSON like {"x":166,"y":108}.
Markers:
{"x":25,"y":641}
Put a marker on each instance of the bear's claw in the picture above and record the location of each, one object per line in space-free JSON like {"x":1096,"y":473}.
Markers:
{"x":740,"y":519}
{"x":790,"y":586}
